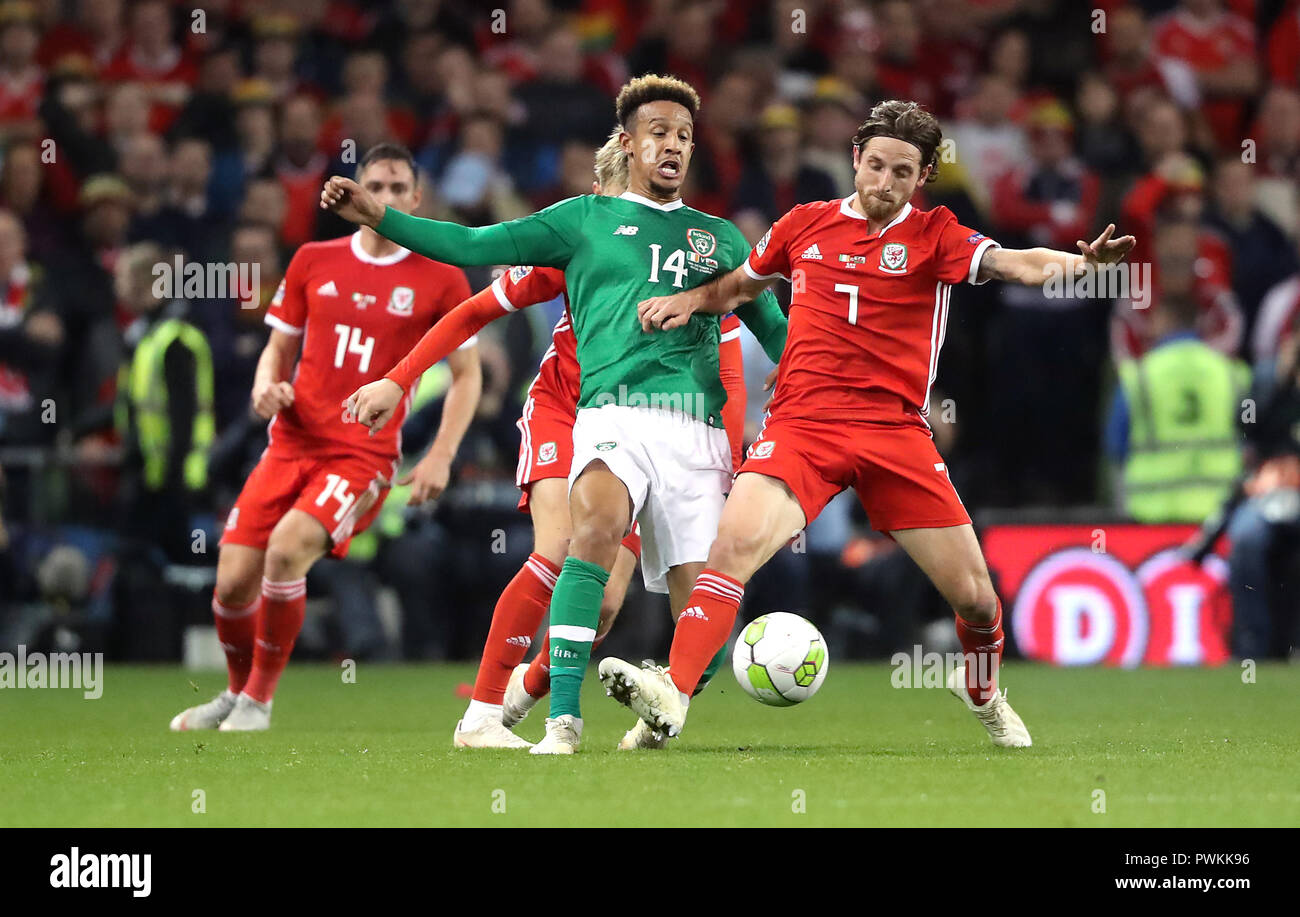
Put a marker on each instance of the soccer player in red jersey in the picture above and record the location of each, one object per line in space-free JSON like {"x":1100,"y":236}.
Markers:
{"x":505,"y":689}
{"x":872,"y":277}
{"x":353,"y":306}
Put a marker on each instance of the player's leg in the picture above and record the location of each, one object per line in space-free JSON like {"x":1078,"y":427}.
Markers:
{"x":761,"y":515}
{"x":526,"y":688}
{"x":903,"y":484}
{"x":600,"y":506}
{"x":515,"y":619}
{"x":236,"y":599}
{"x":297,"y":541}
{"x":952,"y":559}
{"x":268,"y":493}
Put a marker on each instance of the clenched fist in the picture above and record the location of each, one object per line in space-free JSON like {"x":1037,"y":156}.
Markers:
{"x":271,"y":398}
{"x":374,"y":403}
{"x":351,"y":201}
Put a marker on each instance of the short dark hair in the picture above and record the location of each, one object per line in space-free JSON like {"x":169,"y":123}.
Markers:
{"x":908,"y":122}
{"x":388,"y":151}
{"x":654,"y":88}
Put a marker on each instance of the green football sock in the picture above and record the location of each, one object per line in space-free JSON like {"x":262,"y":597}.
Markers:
{"x":714,"y":664}
{"x":575,"y":612}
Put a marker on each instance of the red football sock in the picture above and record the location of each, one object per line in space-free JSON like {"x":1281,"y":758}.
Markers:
{"x":518,"y":614}
{"x":283,"y":605}
{"x":537,"y":680}
{"x":703,"y":628}
{"x":235,"y":630}
{"x":982,"y":646}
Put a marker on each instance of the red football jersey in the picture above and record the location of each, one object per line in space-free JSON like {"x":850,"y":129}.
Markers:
{"x":358,"y":316}
{"x":521,"y":287}
{"x":867,"y":312}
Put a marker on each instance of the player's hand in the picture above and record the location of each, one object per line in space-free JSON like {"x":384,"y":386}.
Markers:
{"x":428,"y":479}
{"x":271,"y":398}
{"x":351,"y":201}
{"x":374,"y":403}
{"x":666,"y":312}
{"x":1104,"y":249}
{"x":771,"y":378}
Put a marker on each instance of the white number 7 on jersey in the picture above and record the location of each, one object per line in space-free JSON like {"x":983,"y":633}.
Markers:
{"x":853,"y":300}
{"x":350,"y":342}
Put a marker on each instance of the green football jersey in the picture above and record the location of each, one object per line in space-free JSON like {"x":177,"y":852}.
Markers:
{"x":615,"y":252}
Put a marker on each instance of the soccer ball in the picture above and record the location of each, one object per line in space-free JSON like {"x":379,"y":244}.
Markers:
{"x":780,"y":659}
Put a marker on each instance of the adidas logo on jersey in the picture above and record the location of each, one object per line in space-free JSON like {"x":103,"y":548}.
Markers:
{"x":812,"y":253}
{"x":695,"y":611}
{"x":327,"y":289}
{"x":626,"y":230}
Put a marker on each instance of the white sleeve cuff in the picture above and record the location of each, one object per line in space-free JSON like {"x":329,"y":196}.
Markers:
{"x":280,"y":324}
{"x":471,"y":341}
{"x":499,"y":290}
{"x":754,"y":275}
{"x":975,"y":261}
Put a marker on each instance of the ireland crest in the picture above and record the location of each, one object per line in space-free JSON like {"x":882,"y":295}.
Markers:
{"x":702,"y":242}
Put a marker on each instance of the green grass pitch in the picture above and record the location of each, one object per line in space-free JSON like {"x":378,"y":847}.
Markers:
{"x":1166,"y":747}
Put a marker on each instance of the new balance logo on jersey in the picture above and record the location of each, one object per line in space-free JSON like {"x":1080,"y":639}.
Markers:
{"x":525,"y":642}
{"x":327,"y":289}
{"x":626,"y":230}
{"x":695,"y":611}
{"x":812,"y":253}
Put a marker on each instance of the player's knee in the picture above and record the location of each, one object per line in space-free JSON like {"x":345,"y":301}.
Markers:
{"x":237,"y":590}
{"x":290,"y":553}
{"x":736,"y":550}
{"x":596,"y":538}
{"x":974,"y":600}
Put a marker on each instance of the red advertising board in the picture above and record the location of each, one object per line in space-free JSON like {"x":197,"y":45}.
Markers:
{"x":1110,"y":594}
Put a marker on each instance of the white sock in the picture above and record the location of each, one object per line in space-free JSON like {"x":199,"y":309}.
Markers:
{"x":686,"y":699}
{"x":478,"y":711}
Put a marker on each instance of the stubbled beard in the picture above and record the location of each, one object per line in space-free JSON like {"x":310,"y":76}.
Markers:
{"x":877,"y":209}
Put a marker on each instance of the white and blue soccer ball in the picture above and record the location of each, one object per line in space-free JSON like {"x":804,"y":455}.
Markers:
{"x":780,"y":659}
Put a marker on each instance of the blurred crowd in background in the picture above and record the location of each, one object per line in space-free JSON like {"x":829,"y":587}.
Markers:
{"x":135,"y":131}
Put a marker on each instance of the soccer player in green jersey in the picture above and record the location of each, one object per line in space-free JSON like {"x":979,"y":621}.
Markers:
{"x":648,"y":442}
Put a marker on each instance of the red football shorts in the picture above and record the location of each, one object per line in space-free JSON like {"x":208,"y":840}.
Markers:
{"x":343,"y":491}
{"x":895,"y":469}
{"x":545,"y":445}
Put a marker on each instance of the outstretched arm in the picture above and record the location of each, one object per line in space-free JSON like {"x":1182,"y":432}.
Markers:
{"x":1036,"y":266}
{"x":374,"y":403}
{"x":525,"y":241}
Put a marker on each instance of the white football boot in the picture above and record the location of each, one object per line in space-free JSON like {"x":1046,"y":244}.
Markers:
{"x":1004,"y":724}
{"x":248,"y":716}
{"x":486,"y":732}
{"x":642,"y":736}
{"x":648,"y":691}
{"x":563,"y":735}
{"x":205,"y":716}
{"x":517,"y":701}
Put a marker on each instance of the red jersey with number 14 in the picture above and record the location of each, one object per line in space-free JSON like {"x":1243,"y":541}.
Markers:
{"x":868,"y":311}
{"x":358,"y":315}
